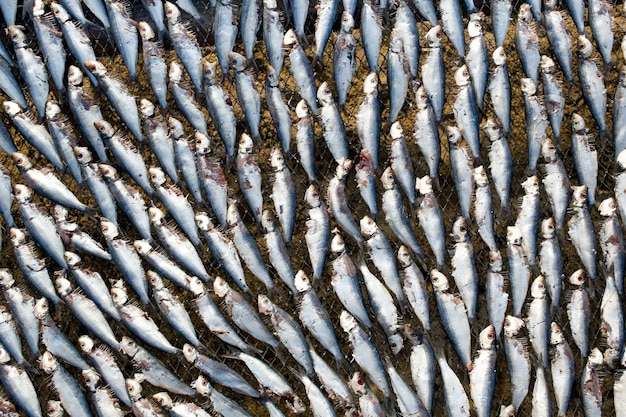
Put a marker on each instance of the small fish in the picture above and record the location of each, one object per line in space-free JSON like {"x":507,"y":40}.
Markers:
{"x":477,"y":59}
{"x":601,"y":19}
{"x":592,"y":83}
{"x":528,"y":218}
{"x":542,"y":403}
{"x":612,"y":243}
{"x":500,"y":165}
{"x":563,"y":368}
{"x":499,"y":87}
{"x":483,"y":208}
{"x":125,"y":36}
{"x":579,"y":311}
{"x":500,"y":17}
{"x":431,"y":220}
{"x":551,"y":262}
{"x":553,"y":95}
{"x":369,"y":404}
{"x":344,"y":60}
{"x":64,"y":138}
{"x":185,"y":159}
{"x":560,"y":37}
{"x":74,"y":237}
{"x":581,"y":231}
{"x":456,"y":400}
{"x":50,"y":41}
{"x":19,"y":386}
{"x":538,"y":321}
{"x":273,"y":35}
{"x":250,"y":23}
{"x":70,"y":393}
{"x":331,"y":382}
{"x":464,"y":269}
{"x":414,"y":286}
{"x":247,"y":93}
{"x":305,"y":140}
{"x":249,"y":174}
{"x":220,"y":108}
{"x":6,"y":197}
{"x":527,"y":41}
{"x":159,"y":139}
{"x":277,"y":251}
{"x":406,"y":398}
{"x":591,"y":384}
{"x":178,"y":408}
{"x":434,"y":79}
{"x":452,"y":23}
{"x":185,"y":44}
{"x":283,"y":194}
{"x":220,"y":403}
{"x":185,"y":99}
{"x":462,"y":164}
{"x":101,"y":397}
{"x":536,"y":121}
{"x":427,"y":134}
{"x":326,"y":16}
{"x":400,"y":162}
{"x":422,"y":362}
{"x":398,"y":77}
{"x":9,"y":337}
{"x":585,"y":157}
{"x":497,"y":298}
{"x":317,"y":234}
{"x":212,"y":178}
{"x":371,"y":18}
{"x":337,"y":202}
{"x":279,"y":110}
{"x":366,"y":181}
{"x":517,"y":358}
{"x":301,"y":70}
{"x":555,"y":183}
{"x":612,"y":325}
{"x":483,"y":373}
{"x":154,"y":64}
{"x":519,"y":269}
{"x":333,"y":127}
{"x":577,"y":11}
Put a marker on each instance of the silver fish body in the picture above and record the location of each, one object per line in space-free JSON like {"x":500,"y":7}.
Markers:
{"x":562,"y":367}
{"x":52,"y":48}
{"x":372,"y":38}
{"x":220,"y":109}
{"x":553,"y":95}
{"x":483,"y":376}
{"x":160,"y":141}
{"x":280,"y":112}
{"x":500,"y":89}
{"x":519,"y":269}
{"x":366,"y":182}
{"x":277,"y":251}
{"x":249,"y":174}
{"x":483,"y":208}
{"x":536,"y":121}
{"x":162,"y":264}
{"x":585,"y":157}
{"x":542,"y":403}
{"x":406,"y":27}
{"x":401,"y":163}
{"x":333,"y":127}
{"x":273,"y":33}
{"x":142,"y":326}
{"x":462,"y":162}
{"x":305,"y":140}
{"x":557,"y":187}
{"x":22,"y":306}
{"x":591,"y":385}
{"x":434,"y":79}
{"x":185,"y":44}
{"x":247,"y":93}
{"x":601,"y":19}
{"x":331,"y":382}
{"x":344,"y":60}
{"x":500,"y":16}
{"x":326,"y":16}
{"x":93,"y":286}
{"x":592,"y":83}
{"x":6,"y":197}
{"x":9,"y":337}
{"x":612,"y":314}
{"x":551,"y":261}
{"x":406,"y":398}
{"x":528,"y":218}
{"x":611,"y":242}
{"x":125,"y":35}
{"x":518,"y":359}
{"x":64,"y":138}
{"x":185,"y":161}
{"x":497,"y":298}
{"x":59,"y":345}
{"x":212,"y":178}
{"x":579,"y":312}
{"x":560,"y":39}
{"x":414,"y":286}
{"x":456,"y":401}
{"x":464,"y":271}
{"x":301,"y":70}
{"x":500,"y":163}
{"x":538,"y":321}
{"x":452,"y":22}
{"x":317,"y":234}
{"x":398,"y":73}
{"x":186,"y":101}
{"x":527,"y":42}
{"x":283,"y":195}
{"x":337,"y":202}
{"x":581,"y":232}
{"x":426,"y":133}
{"x":477,"y":60}
{"x":249,"y":25}
{"x":431,"y":220}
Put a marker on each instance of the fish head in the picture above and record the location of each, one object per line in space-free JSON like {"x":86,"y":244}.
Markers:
{"x":487,"y":337}
{"x":17,"y":36}
{"x":195,"y":285}
{"x":38,"y":8}
{"x":83,"y":155}
{"x":204,"y":222}
{"x":404,"y":256}
{"x":296,"y":405}
{"x":48,"y":363}
{"x":267,"y":221}
{"x":23,"y":194}
{"x":424,"y":185}
{"x":347,"y":321}
{"x":108,"y":172}
{"x":119,"y":296}
{"x":41,"y":308}
{"x":17,"y":236}
{"x":53,"y":110}
{"x":246,"y":145}
{"x":277,"y":160}
{"x":54,"y":408}
{"x":595,"y":359}
{"x":343,"y":167}
{"x":370,"y":85}
{"x":142,"y":246}
{"x":190,"y":353}
{"x":85,"y":343}
{"x":270,"y":4}
{"x":528,"y":87}
{"x":133,"y":386}
{"x":232,"y":214}
{"x":59,"y":12}
{"x":203,"y":143}
{"x":146,"y":107}
{"x":548,"y":150}
{"x":171,"y":12}
{"x":265,"y":304}
{"x":453,"y":134}
{"x":395,"y":131}
{"x":538,"y":287}
{"x":312,"y":196}
{"x":525,"y":13}
{"x":480,"y":176}
{"x":21,"y":161}
{"x":155,"y":280}
{"x":6,"y":278}
{"x":301,"y":281}
{"x":387,"y":178}
{"x":357,"y":383}
{"x":368,"y":226}
{"x":512,"y":325}
{"x":548,"y":228}
{"x":499,"y":56}
{"x":104,"y":128}
{"x":396,"y":343}
{"x":577,"y":278}
{"x":621,"y":159}
{"x":507,"y":411}
{"x":176,"y":72}
{"x":578,"y":123}
{"x":531,"y":185}
{"x":95,"y":67}
{"x":290,"y":40}
{"x":337,"y":245}
{"x":210,"y":71}
{"x":547,"y":64}
{"x":439,"y":280}
{"x":585,"y":48}
{"x":176,"y":128}
{"x":607,"y":207}
{"x":4,"y":355}
{"x":128,"y":347}
{"x":11,"y":108}
{"x":556,"y":335}
{"x":273,"y":80}
{"x":237,"y":61}
{"x":163,"y":399}
{"x":155,"y":214}
{"x":72,"y":259}
{"x":201,"y":385}
{"x":74,"y":76}
{"x":434,"y":36}
{"x":459,"y":229}
{"x":491,"y":128}
{"x":579,"y":195}
{"x":324,"y":95}
{"x":91,"y":378}
{"x":220,"y":286}
{"x":108,"y":228}
{"x":474,"y":28}
{"x":421,"y":98}
{"x":145,"y":31}
{"x":550,"y":4}
{"x":60,"y":212}
{"x":495,"y":261}
{"x":513,"y":235}
{"x":302,"y":110}
{"x":347,"y":22}
{"x":395,"y":43}
{"x":157,"y":176}
{"x":462,"y":76}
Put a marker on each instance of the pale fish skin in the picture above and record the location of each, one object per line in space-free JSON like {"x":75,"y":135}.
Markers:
{"x":223,"y":250}
{"x":106,"y":365}
{"x":152,"y":370}
{"x":338,"y":205}
{"x":453,"y":317}
{"x":431,"y":219}
{"x":464,"y":271}
{"x":64,"y":138}
{"x":19,"y":385}
{"x":331,"y":382}
{"x":556,"y":183}
{"x":185,"y":159}
{"x":592,"y":83}
{"x":601,"y":19}
{"x":611,"y":242}
{"x":620,"y":185}
{"x":50,"y":41}
{"x":581,"y":231}
{"x":127,"y":260}
{"x":326,"y":15}
{"x":499,"y":87}
{"x":162,"y":264}
{"x":6,"y":140}
{"x":6,"y":197}
{"x":452,"y":22}
{"x":579,"y":312}
{"x":406,"y":398}
{"x":477,"y":58}
{"x":563,"y":368}
{"x":517,"y":358}
{"x":619,"y":111}
{"x":366,"y":181}
{"x":179,"y":408}
{"x":186,"y":100}
{"x":67,"y":388}
{"x":427,"y":133}
{"x":220,"y":108}
{"x":212,"y":178}
{"x":219,"y":402}
{"x":10,"y":86}
{"x":283,"y":194}
{"x":384,"y":308}
{"x":249,"y":25}
{"x":273,"y":34}
{"x":483,"y":208}
{"x":333,"y":127}
{"x":434,"y":79}
{"x":527,"y":42}
{"x":225,"y":32}
{"x":9,"y":11}
{"x":500,"y":16}
{"x":32,"y":69}
{"x":422,"y":362}
{"x":22,"y":306}
{"x":553,"y":95}
{"x":101,"y":397}
{"x":560,"y":37}
{"x":538,"y":321}
{"x":528,"y":218}
{"x":500,"y":165}
{"x":98,"y":9}
{"x":483,"y":373}
{"x":414,"y":286}
{"x":249,"y":174}
{"x":612,"y":326}
{"x":301,"y":70}
{"x":371,"y":18}
{"x":9,"y":337}
{"x":344,"y":60}
{"x":159,"y":138}
{"x":400,"y":162}
{"x":86,"y":312}
{"x":317,"y":234}
{"x":456,"y":400}
{"x":462,"y":164}
{"x":398,"y":76}
{"x":279,"y":110}
{"x":364,"y":353}
{"x":497,"y":298}
{"x":619,"y":392}
{"x":288,"y":332}
{"x":536,"y":121}
{"x":277,"y":251}
{"x":551,"y":261}
{"x":242,"y":313}
{"x":369,"y":404}
{"x":577,"y":11}
{"x":465,"y":110}
{"x":86,"y":111}
{"x":585,"y":157}
{"x":519,"y":269}
{"x":406,"y":27}
{"x":185,"y":44}
{"x":247,"y":93}
{"x":542,"y":403}
{"x":591,"y":384}
{"x":125,"y":35}
{"x":305,"y":140}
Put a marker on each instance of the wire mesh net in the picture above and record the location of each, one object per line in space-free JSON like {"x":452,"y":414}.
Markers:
{"x":325,"y":167}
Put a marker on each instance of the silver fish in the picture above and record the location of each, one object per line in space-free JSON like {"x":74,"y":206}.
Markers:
{"x":162,"y":264}
{"x":427,"y":134}
{"x":612,"y":326}
{"x":279,"y":110}
{"x":612,"y":243}
{"x":536,"y":121}
{"x":555,"y":182}
{"x":220,"y":108}
{"x":159,"y":139}
{"x":464,"y":269}
{"x":517,"y":358}
{"x":585,"y":157}
{"x":577,"y":11}
{"x":426,"y":8}
{"x":249,"y":174}
{"x":434,"y":81}
{"x":528,"y":218}
{"x":406,"y":27}
{"x":305,"y":140}
{"x":338,"y":204}
{"x":619,"y":112}
{"x":452,"y":23}
{"x":51,"y":43}
{"x":366,"y":181}
{"x":431,"y":220}
{"x":453,"y":317}
{"x":581,"y":231}
{"x":185,"y":99}
{"x":317,"y":234}
{"x":273,"y":35}
{"x":551,"y":262}
{"x":333,"y":127}
{"x":98,"y":9}
{"x":483,"y":373}
{"x":6,"y":140}
{"x":519,"y":269}
{"x":483,"y":208}
{"x":178,"y":408}
{"x":591,"y":384}
{"x":9,"y":338}
{"x":601,"y":19}
{"x":10,"y":86}
{"x":592,"y":83}
{"x":278,"y":256}
{"x":301,"y":70}
{"x":283,"y":194}
{"x":538,"y":321}
{"x":398,"y":77}
{"x":125,"y":35}
{"x":185,"y":44}
{"x":563,"y":368}
{"x":414,"y":286}
{"x":500,"y":164}
{"x":456,"y":400}
{"x":101,"y":397}
{"x":344,"y":61}
{"x":553,"y":95}
{"x":500,"y":89}
{"x":220,"y":403}
{"x":422,"y":361}
{"x":400,"y":162}
{"x":6,"y":197}
{"x":189,"y":7}
{"x":542,"y":403}
{"x":462,"y":164}
{"x":477,"y":58}
{"x":579,"y":311}
{"x":559,"y":37}
{"x":500,"y":17}
{"x":70,"y":393}
{"x":369,"y":404}
{"x":527,"y":42}
{"x":19,"y":386}
{"x":371,"y":38}
{"x":249,"y":25}
{"x":331,"y":382}
{"x":497,"y":298}
{"x":465,"y":110}
{"x":64,"y":138}
{"x":406,"y":398}
{"x":154,"y":64}
{"x":247,"y":93}
{"x":326,"y":16}
{"x":212,"y":178}
{"x":185,"y":160}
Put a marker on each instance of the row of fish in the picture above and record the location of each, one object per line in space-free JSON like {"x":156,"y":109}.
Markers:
{"x":117,"y":176}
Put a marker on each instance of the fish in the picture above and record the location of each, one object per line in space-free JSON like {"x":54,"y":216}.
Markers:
{"x":601,"y":19}
{"x":464,"y":271}
{"x":612,"y":324}
{"x":125,"y":35}
{"x":317,"y":234}
{"x":497,"y":298}
{"x":159,"y":139}
{"x":50,"y":41}
{"x":398,"y":73}
{"x":186,"y":45}
{"x":527,"y":41}
{"x":542,"y":403}
{"x":465,"y":110}
{"x":500,"y":17}
{"x":590,"y":384}
{"x":283,"y":195}
{"x":249,"y":174}
{"x":177,"y":408}
{"x":462,"y":164}
{"x":301,"y":70}
{"x":368,"y":121}
{"x":19,"y":386}
{"x":250,"y":21}
{"x":400,"y":162}
{"x":414,"y":286}
{"x":332,"y":383}
{"x":219,"y":402}
{"x":500,"y":165}
{"x":6,"y":197}
{"x":279,"y":110}
{"x":220,"y":109}
{"x":9,"y":337}
{"x":553,"y":96}
{"x":277,"y":251}
{"x":333,"y":127}
{"x":371,"y":18}
{"x":483,"y":373}
{"x":517,"y":358}
{"x":555,"y":182}
{"x":519,"y":268}
{"x":154,"y":64}
{"x":579,"y":311}
{"x":538,"y":321}
{"x":499,"y":88}
{"x":536,"y":117}
{"x":452,"y":23}
{"x":64,"y":138}
{"x":185,"y":159}
{"x":483,"y":208}
{"x":427,"y":134}
{"x":212,"y":178}
{"x":406,"y":398}
{"x":162,"y":264}
{"x":551,"y":261}
{"x":101,"y":397}
{"x":585,"y":157}
{"x":326,"y":16}
{"x":456,"y":400}
{"x":247,"y":93}
{"x":70,"y":393}
{"x":563,"y":368}
{"x":369,"y":404}
{"x":185,"y":99}
{"x":431,"y":220}
{"x":337,"y":203}
{"x":559,"y":37}
{"x":477,"y":58}
{"x":434,"y":81}
{"x":581,"y":231}
{"x":611,"y":242}
{"x":274,"y":35}
{"x":592,"y":84}
{"x":344,"y":59}
{"x":305,"y":140}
